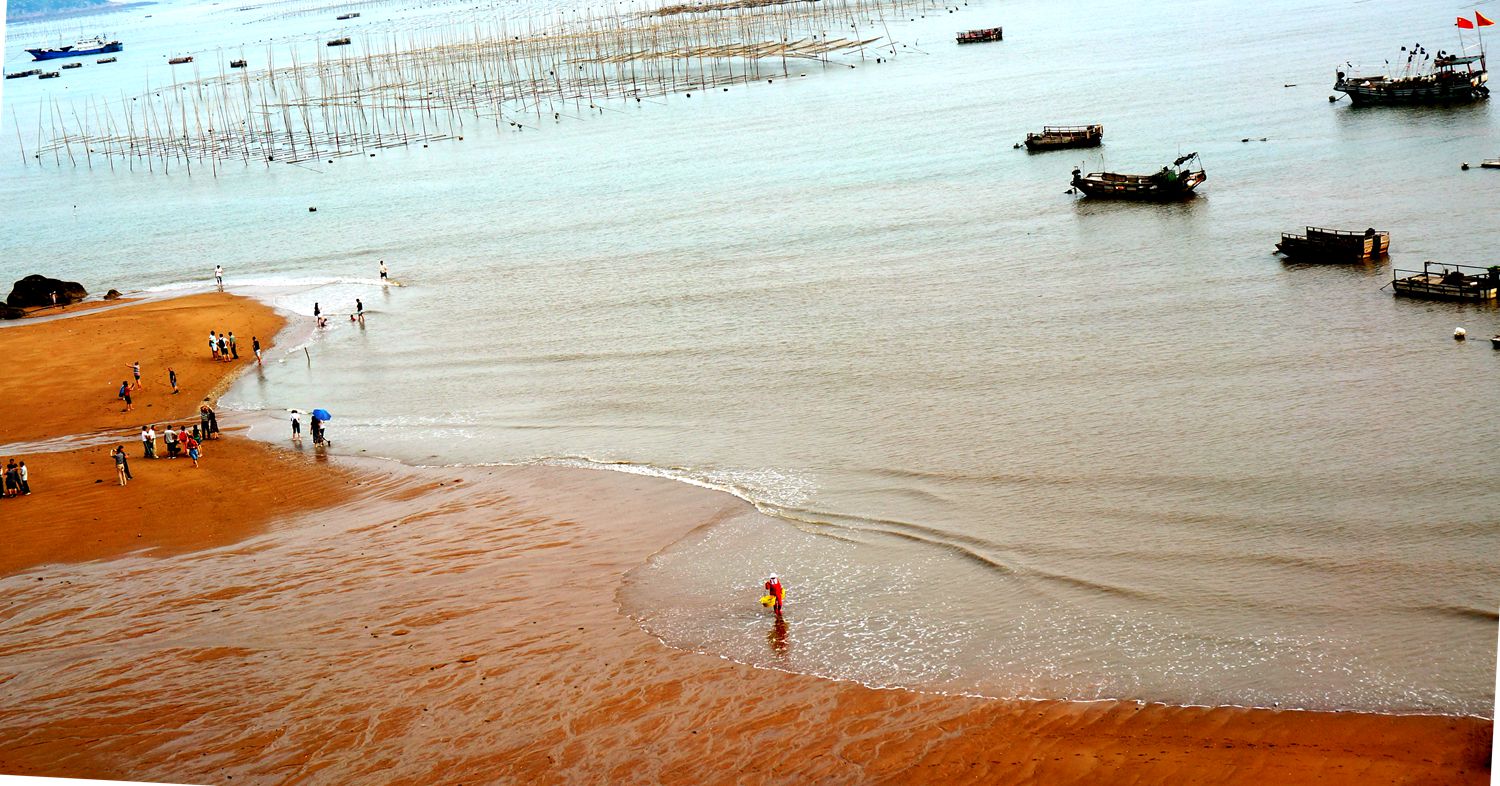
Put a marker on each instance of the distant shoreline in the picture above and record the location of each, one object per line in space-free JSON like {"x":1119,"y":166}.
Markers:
{"x":73,"y":13}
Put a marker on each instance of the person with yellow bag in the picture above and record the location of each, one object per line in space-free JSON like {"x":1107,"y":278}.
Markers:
{"x":775,"y":595}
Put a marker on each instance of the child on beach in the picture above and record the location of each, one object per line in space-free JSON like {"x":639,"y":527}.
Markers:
{"x":124,"y":395}
{"x":296,"y":427}
{"x":192,"y":449}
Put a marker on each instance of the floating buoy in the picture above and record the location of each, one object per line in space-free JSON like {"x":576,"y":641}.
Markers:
{"x":1464,"y":166}
{"x":1459,"y":334}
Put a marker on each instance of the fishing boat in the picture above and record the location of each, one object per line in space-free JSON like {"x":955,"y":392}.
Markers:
{"x":1059,"y":137}
{"x":353,"y":15}
{"x":339,"y":42}
{"x":23,"y":74}
{"x":1448,"y":282}
{"x":1335,"y":245}
{"x":88,"y":46}
{"x":1444,"y":79}
{"x":1172,"y":182}
{"x":236,"y":64}
{"x":72,"y":65}
{"x":49,"y":75}
{"x":1490,"y":163}
{"x":103,"y":60}
{"x":981,"y":35}
{"x":180,"y":60}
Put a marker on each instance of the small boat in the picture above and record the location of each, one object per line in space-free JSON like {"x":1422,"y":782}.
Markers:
{"x":49,"y":75}
{"x":236,"y":64}
{"x":72,"y":65}
{"x":1059,"y":137}
{"x":1495,"y":342}
{"x":339,"y":42}
{"x":88,"y":46}
{"x":1450,"y":79}
{"x":103,"y":60}
{"x":1490,"y":163}
{"x":354,"y":15}
{"x":1448,"y":282}
{"x":1172,"y":182}
{"x":1335,"y":245}
{"x":180,"y":60}
{"x":981,"y":35}
{"x":23,"y":74}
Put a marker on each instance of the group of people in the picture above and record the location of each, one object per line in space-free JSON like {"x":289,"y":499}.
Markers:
{"x":130,"y":386}
{"x":177,"y":441}
{"x":319,"y":431}
{"x":226,"y":348}
{"x":17,"y":480}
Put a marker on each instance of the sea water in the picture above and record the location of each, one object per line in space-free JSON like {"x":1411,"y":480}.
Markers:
{"x":1010,"y":442}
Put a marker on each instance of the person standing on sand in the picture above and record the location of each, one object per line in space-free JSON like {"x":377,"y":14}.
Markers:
{"x":172,"y":375}
{"x":135,"y":368}
{"x":147,"y":444}
{"x":317,"y":310}
{"x":203,"y":411}
{"x":219,"y":275}
{"x":25,"y":479}
{"x":169,"y":438}
{"x":124,"y":395}
{"x":223,"y":348}
{"x":213,"y":344}
{"x":296,"y":426}
{"x":120,"y":468}
{"x":192,"y":449}
{"x":12,"y":480}
{"x":255,"y":344}
{"x":234,"y":346}
{"x":384,"y":274}
{"x":773,"y":588}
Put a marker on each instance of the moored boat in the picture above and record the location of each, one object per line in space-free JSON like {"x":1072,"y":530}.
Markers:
{"x":236,"y":63}
{"x":981,"y":35}
{"x":1172,"y":182}
{"x":348,"y":16}
{"x":23,"y":74}
{"x":88,"y":46}
{"x":106,"y":60}
{"x":339,"y":42}
{"x":1448,"y":282}
{"x":1335,"y":245}
{"x":49,"y":75}
{"x":180,"y":60}
{"x":1490,"y":163}
{"x":1444,"y":79}
{"x":72,"y":65}
{"x":1060,"y":137}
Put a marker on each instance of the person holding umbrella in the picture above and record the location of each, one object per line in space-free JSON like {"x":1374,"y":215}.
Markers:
{"x":319,"y":435}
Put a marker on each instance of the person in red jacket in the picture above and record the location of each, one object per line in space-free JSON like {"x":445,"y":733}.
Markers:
{"x":773,"y":588}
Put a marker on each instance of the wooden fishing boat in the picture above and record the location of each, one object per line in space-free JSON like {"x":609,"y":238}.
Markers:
{"x":49,"y":75}
{"x":104,"y":60}
{"x":1448,"y":282}
{"x":180,"y":60}
{"x":981,"y":35}
{"x":236,"y":64}
{"x":339,"y":42}
{"x":353,"y":15}
{"x":72,"y":65}
{"x":1449,"y":79}
{"x":23,"y":74}
{"x":1490,"y":163}
{"x":1172,"y":182}
{"x":1059,"y":137}
{"x":1335,"y":245}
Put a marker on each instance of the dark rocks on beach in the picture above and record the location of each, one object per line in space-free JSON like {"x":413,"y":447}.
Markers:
{"x":36,"y":290}
{"x":11,"y":312}
{"x":113,"y":294}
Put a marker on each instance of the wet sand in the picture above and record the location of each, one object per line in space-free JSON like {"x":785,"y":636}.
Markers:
{"x":462,"y":626}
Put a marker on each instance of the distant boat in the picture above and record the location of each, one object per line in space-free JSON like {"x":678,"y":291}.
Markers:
{"x":981,"y":35}
{"x":348,"y":16}
{"x":1059,"y":137}
{"x":1172,"y":182}
{"x":1450,"y":79}
{"x":88,"y":46}
{"x":49,"y":75}
{"x":1335,"y":245}
{"x":339,"y":42}
{"x":72,"y":65}
{"x":106,"y":60}
{"x":23,"y":74}
{"x":1490,"y":163}
{"x":236,"y":64}
{"x":180,"y":60}
{"x":1448,"y":282}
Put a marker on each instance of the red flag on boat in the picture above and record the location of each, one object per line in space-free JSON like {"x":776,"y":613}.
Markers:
{"x":1480,"y":20}
{"x":1464,"y":22}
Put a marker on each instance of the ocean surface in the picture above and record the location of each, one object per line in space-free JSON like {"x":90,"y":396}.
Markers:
{"x":1009,"y":442}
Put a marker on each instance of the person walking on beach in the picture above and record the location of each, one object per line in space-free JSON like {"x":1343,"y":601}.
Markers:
{"x":121,"y":469}
{"x":773,"y":588}
{"x":135,"y":368}
{"x":384,"y":274}
{"x":213,"y":344}
{"x":172,"y":376}
{"x":192,"y":449}
{"x":359,"y":308}
{"x":255,"y":344}
{"x":219,"y":275}
{"x":234,"y":347}
{"x":169,"y":438}
{"x":223,"y":348}
{"x":124,"y":395}
{"x":25,"y":479}
{"x":296,"y":426}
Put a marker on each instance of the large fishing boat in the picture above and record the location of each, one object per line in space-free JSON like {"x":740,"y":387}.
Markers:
{"x":1172,"y":182}
{"x":88,"y":46}
{"x":1445,"y":79}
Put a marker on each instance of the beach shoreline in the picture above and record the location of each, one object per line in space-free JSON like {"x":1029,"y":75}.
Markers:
{"x":350,"y":619}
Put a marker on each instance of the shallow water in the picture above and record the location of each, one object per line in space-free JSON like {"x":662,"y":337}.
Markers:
{"x":1019,"y":444}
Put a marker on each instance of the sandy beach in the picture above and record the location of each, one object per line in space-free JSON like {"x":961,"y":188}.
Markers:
{"x":278,"y":616}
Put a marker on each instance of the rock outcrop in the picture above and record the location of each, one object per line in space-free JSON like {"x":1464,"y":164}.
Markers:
{"x":113,"y":294}
{"x":36,"y":290}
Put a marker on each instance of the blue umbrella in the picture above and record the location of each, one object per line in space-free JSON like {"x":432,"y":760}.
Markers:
{"x":322,"y":414}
